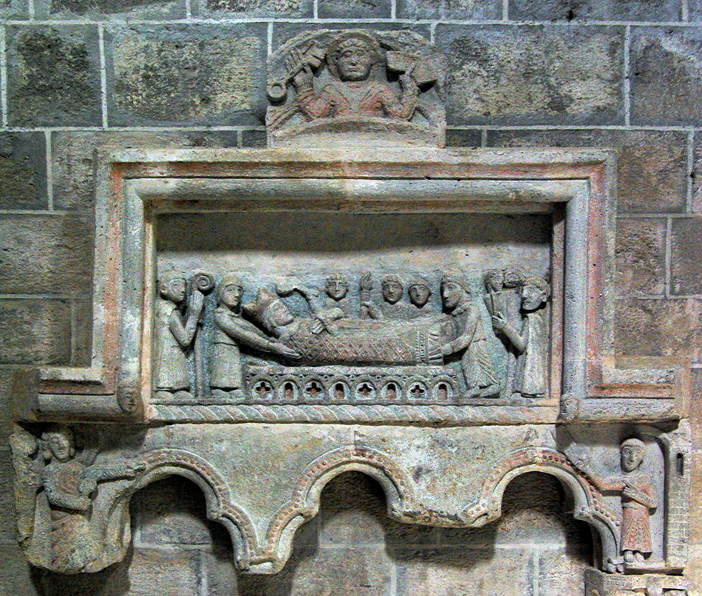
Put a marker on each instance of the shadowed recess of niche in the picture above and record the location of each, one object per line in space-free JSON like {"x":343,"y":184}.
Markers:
{"x":309,"y":232}
{"x":353,"y":548}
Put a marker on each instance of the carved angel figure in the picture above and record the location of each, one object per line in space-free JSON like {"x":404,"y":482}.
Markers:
{"x":350,"y":58}
{"x":69,"y":485}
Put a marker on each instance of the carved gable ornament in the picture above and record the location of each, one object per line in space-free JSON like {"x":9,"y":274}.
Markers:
{"x":355,"y":297}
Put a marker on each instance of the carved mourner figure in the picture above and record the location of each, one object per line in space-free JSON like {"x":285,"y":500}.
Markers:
{"x":174,"y":331}
{"x":503,"y":300}
{"x":419,"y":293}
{"x":391,"y":307}
{"x":230,"y":331}
{"x":638,"y":501}
{"x":530,"y":338}
{"x":337,"y":288}
{"x":351,"y":58}
{"x":69,"y":485}
{"x":470,"y":338}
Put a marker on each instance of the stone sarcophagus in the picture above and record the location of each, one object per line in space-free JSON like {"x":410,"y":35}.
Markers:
{"x":355,"y":297}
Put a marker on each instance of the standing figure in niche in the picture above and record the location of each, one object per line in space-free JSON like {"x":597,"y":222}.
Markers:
{"x":530,"y":338}
{"x":174,"y":331}
{"x":470,"y":338}
{"x":638,"y":501}
{"x":419,"y":293}
{"x":391,"y":307}
{"x":350,"y":58}
{"x":231,"y":329}
{"x":69,"y":486}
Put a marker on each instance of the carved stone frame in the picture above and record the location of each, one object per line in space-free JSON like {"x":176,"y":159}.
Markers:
{"x":136,"y":186}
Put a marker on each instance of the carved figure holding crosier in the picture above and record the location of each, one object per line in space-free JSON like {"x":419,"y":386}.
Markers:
{"x":175,"y":326}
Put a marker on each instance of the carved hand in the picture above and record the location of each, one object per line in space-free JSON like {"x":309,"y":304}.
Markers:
{"x":295,"y":63}
{"x":196,"y":302}
{"x":408,"y":84}
{"x":284,"y":350}
{"x":499,"y":323}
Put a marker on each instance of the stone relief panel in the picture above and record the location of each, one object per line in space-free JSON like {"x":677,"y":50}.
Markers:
{"x":408,"y":332}
{"x":377,"y":87}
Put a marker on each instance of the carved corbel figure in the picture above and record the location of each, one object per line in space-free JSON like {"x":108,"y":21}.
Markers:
{"x":469,"y":336}
{"x":174,"y":331}
{"x":69,"y":485}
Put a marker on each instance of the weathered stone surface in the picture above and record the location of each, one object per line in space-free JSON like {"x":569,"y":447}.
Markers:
{"x":5,"y":405}
{"x":573,"y":10}
{"x":172,"y":511}
{"x":36,"y":332}
{"x":449,"y":9}
{"x":166,"y":572}
{"x":670,"y":328}
{"x":196,"y":74}
{"x":23,"y":171}
{"x":45,"y":254}
{"x":56,"y":81}
{"x":7,"y":497}
{"x":326,"y":572}
{"x":561,"y":572}
{"x":686,"y":256}
{"x":218,"y":575}
{"x":75,"y":157}
{"x":81,"y":349}
{"x":359,"y":9}
{"x":14,"y":9}
{"x":109,"y":9}
{"x":540,"y":74}
{"x":694,"y":10}
{"x":640,"y":254}
{"x":259,"y":8}
{"x":665,"y":87}
{"x":253,"y":138}
{"x":282,"y":32}
{"x":17,"y":573}
{"x":651,"y":165}
{"x":457,"y":570}
{"x":696,"y":486}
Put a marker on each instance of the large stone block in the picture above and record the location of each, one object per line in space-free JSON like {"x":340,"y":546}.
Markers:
{"x":56,"y":78}
{"x":259,"y":8}
{"x":75,"y":156}
{"x":605,"y":10}
{"x":7,"y":497}
{"x":534,"y":74}
{"x":164,"y":572}
{"x":81,"y":346}
{"x":664,"y":328}
{"x":463,"y":138}
{"x":326,"y":572}
{"x":14,"y":10}
{"x":35,"y":332}
{"x":46,"y":254}
{"x":172,"y":511}
{"x":110,"y":9}
{"x":651,"y":165}
{"x":686,"y":256}
{"x":5,"y":405}
{"x":23,"y":171}
{"x":457,"y":570}
{"x":696,"y":487}
{"x":358,"y":9}
{"x":665,"y":81}
{"x":186,"y":74}
{"x":449,"y":9}
{"x":640,"y":255}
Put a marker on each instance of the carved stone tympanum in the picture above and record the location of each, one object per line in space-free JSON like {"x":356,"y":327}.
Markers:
{"x":356,"y":298}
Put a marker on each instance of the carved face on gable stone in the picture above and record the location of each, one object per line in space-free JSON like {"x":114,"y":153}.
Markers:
{"x":419,"y":294}
{"x":336,"y":287}
{"x":172,"y":288}
{"x":392,"y":289}
{"x":230,"y":294}
{"x":59,"y":445}
{"x":632,"y":454}
{"x":451,"y":293}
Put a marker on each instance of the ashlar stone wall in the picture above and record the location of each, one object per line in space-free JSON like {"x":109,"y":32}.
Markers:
{"x":78,"y":76}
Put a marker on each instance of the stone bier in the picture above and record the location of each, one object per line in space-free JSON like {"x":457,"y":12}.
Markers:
{"x":356,"y":298}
